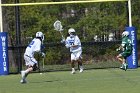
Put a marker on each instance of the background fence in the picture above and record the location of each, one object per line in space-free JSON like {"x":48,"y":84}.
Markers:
{"x":96,"y":55}
{"x":98,"y":25}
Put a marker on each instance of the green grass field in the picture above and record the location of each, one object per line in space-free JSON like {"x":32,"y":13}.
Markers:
{"x":90,"y":81}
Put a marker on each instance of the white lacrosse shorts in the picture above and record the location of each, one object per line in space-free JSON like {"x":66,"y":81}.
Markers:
{"x":76,"y":55}
{"x":29,"y":61}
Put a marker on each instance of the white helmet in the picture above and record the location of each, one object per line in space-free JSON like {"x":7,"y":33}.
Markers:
{"x":41,"y":35}
{"x":125,"y":33}
{"x":71,"y":30}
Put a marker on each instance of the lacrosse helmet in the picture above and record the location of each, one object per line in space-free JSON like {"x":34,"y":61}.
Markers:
{"x":125,"y":34}
{"x":40,"y":35}
{"x":71,"y":32}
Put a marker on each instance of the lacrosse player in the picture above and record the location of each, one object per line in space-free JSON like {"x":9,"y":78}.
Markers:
{"x":125,"y":49}
{"x":73,"y":42}
{"x":30,"y":61}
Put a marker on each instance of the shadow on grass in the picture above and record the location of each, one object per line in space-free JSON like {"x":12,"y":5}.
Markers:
{"x":45,"y":81}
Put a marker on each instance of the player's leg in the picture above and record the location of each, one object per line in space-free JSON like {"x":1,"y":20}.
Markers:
{"x":80,"y":65}
{"x":31,"y":64}
{"x":125,"y":55}
{"x":72,"y":66}
{"x":79,"y":60}
{"x":121,"y":60}
{"x":25,"y":73}
{"x":73,"y":63}
{"x":125,"y":64}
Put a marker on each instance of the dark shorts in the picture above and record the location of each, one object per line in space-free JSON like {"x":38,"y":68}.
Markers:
{"x":126,"y":54}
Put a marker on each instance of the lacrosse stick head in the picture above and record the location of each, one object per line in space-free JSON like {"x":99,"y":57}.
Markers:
{"x":58,"y":26}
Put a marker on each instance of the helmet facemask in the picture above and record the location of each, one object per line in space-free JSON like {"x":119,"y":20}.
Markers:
{"x":72,"y":34}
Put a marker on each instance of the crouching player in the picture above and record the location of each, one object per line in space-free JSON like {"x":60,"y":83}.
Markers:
{"x":73,"y":42}
{"x":30,"y":61}
{"x":125,"y":50}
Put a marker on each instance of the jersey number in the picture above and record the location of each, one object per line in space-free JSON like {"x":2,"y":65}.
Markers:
{"x":30,"y":45}
{"x":71,"y":43}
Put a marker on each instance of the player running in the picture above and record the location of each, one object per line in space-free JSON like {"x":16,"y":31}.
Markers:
{"x":30,"y":61}
{"x":73,"y":42}
{"x":126,"y":50}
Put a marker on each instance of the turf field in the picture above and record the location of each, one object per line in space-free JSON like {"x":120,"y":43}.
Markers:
{"x":90,"y":81}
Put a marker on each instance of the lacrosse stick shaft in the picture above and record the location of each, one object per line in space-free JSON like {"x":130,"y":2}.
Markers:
{"x":43,"y":62}
{"x":62,"y":35}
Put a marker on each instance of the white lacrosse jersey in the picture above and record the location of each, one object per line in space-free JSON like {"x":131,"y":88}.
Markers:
{"x":73,"y":41}
{"x":34,"y":46}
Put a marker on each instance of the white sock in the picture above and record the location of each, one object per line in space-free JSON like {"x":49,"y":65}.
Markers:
{"x":73,"y":69}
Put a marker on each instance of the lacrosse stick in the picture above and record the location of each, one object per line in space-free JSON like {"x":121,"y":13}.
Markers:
{"x":43,"y":59}
{"x":43,"y":64}
{"x":58,"y":27}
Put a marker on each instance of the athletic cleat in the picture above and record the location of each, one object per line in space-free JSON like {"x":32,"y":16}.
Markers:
{"x":23,"y":76}
{"x":122,"y":67}
{"x":23,"y":81}
{"x":125,"y":66}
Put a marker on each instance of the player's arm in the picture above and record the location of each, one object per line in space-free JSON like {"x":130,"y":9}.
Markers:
{"x":38,"y":49}
{"x":67,"y":43}
{"x":121,"y":47}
